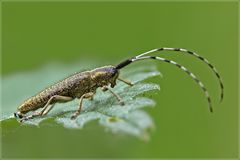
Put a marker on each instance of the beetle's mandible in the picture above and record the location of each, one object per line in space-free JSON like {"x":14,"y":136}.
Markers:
{"x":83,"y":85}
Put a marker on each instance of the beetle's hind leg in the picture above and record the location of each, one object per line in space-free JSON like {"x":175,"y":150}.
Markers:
{"x":18,"y":115}
{"x":48,"y":106}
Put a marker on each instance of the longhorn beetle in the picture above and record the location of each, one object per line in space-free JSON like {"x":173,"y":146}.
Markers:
{"x":83,"y":85}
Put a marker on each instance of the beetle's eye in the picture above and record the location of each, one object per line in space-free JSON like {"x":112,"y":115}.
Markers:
{"x":115,"y":73}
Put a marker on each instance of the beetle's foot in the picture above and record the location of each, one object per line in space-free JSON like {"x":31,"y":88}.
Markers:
{"x":121,"y":102}
{"x":131,"y":84}
{"x":35,"y":114}
{"x":25,"y":118}
{"x":74,"y":116}
{"x":126,"y":81}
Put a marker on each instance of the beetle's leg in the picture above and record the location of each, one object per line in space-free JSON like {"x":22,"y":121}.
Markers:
{"x":105,"y":88}
{"x":86,"y":95}
{"x":52,"y":100}
{"x":125,"y":81}
{"x":56,"y":99}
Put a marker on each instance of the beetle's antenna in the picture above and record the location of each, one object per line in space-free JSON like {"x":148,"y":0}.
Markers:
{"x":125,"y":63}
{"x":181,"y":50}
{"x":185,"y":70}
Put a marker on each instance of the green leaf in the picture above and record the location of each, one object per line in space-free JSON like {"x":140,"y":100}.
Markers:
{"x":128,"y":119}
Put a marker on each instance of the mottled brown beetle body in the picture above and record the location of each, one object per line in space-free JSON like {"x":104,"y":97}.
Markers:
{"x":83,"y":85}
{"x":73,"y":86}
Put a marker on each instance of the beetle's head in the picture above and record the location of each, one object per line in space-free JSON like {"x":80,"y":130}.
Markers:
{"x":105,"y":75}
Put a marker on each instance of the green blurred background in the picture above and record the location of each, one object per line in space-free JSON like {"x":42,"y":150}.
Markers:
{"x":38,"y":33}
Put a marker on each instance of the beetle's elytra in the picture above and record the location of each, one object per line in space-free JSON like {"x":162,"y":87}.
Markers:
{"x":83,"y":85}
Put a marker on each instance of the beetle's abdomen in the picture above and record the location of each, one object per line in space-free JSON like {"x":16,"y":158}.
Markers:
{"x":73,"y":86}
{"x":39,"y":100}
{"x":32,"y":103}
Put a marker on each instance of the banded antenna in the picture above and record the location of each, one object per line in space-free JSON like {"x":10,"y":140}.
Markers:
{"x":143,"y":56}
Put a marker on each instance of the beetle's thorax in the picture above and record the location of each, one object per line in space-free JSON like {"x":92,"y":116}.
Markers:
{"x":104,"y":76}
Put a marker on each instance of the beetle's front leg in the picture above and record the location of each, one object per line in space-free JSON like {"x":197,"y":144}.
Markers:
{"x":86,"y":95}
{"x":105,"y":88}
{"x":125,"y":81}
{"x":44,"y":111}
